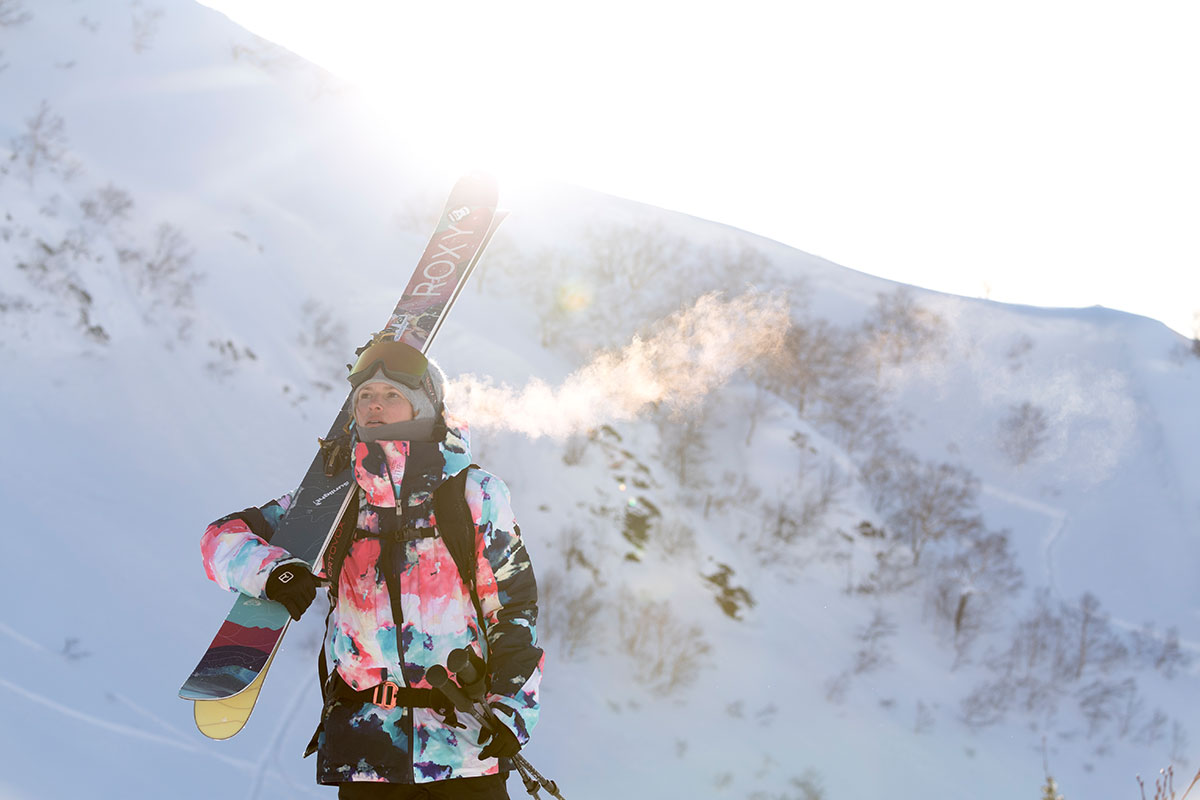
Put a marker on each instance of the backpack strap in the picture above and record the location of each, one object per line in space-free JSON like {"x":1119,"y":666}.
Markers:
{"x":331,"y":561}
{"x":457,"y":528}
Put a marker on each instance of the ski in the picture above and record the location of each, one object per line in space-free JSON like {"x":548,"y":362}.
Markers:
{"x":226,"y":682}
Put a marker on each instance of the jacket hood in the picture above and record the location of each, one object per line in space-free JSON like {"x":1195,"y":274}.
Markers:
{"x":455,"y":446}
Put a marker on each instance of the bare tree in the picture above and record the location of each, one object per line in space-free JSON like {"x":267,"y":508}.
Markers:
{"x":570,"y":605}
{"x":325,"y":337}
{"x":734,"y":489}
{"x":675,"y":538}
{"x":145,"y":23}
{"x":13,"y":14}
{"x":72,"y":650}
{"x":632,"y":258}
{"x":821,"y":498}
{"x":1154,"y":730}
{"x":972,"y":583}
{"x":1180,"y":744}
{"x":773,"y":539}
{"x":54,"y":267}
{"x":1160,"y":651}
{"x":106,"y":205}
{"x":937,"y":501}
{"x":668,"y":653}
{"x":814,"y":355}
{"x":1042,"y":637}
{"x":1171,"y":657}
{"x":884,"y":468}
{"x":683,"y":442}
{"x":987,"y":703}
{"x":43,"y":145}
{"x":625,"y":275}
{"x":278,"y":61}
{"x":809,"y":786}
{"x":1102,"y":702}
{"x":873,"y":652}
{"x":853,"y":410}
{"x":1089,"y":619}
{"x":1018,"y":353}
{"x":900,"y":330}
{"x":228,"y":355}
{"x":574,"y":448}
{"x":1095,"y":640}
{"x":1024,"y":433}
{"x":168,"y":272}
{"x":759,"y":405}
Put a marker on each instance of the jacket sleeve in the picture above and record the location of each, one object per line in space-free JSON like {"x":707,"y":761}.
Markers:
{"x":508,"y":598}
{"x":237,"y":552}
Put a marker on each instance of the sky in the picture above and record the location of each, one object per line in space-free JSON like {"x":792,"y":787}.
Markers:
{"x":1028,"y":151}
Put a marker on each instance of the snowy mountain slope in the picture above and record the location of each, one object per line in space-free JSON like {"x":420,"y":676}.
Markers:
{"x":716,"y":636}
{"x":1115,"y":389}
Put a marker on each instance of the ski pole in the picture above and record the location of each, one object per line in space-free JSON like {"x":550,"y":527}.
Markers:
{"x":471,"y":672}
{"x":469,"y":699}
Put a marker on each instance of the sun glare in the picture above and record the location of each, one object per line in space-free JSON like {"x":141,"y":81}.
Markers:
{"x":917,"y":151}
{"x":567,"y":94}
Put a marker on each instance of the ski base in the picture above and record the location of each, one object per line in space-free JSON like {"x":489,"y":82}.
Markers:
{"x":221,"y":719}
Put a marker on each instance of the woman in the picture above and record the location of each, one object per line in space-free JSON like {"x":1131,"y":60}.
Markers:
{"x":400,"y":605}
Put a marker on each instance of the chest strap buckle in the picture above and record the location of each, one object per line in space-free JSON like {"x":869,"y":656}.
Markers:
{"x":386,"y":695}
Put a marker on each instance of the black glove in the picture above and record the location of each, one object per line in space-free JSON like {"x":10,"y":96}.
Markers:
{"x":503,"y":744}
{"x":293,"y":586}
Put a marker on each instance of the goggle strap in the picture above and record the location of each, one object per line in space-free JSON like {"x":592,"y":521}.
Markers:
{"x":430,"y":392}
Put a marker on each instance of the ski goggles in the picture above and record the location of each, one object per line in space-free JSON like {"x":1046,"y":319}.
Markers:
{"x":400,"y":362}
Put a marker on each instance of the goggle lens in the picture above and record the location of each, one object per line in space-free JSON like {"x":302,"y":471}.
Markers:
{"x":400,"y":362}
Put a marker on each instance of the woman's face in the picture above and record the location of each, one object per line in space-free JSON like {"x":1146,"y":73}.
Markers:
{"x":380,"y":404}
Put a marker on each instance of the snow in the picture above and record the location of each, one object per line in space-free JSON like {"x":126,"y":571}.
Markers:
{"x":118,"y":452}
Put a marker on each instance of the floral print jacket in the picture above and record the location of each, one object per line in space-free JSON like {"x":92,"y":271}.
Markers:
{"x":401,"y":607}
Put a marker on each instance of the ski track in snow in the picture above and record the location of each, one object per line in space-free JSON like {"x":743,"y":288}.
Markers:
{"x":176,"y":739}
{"x":118,"y":728}
{"x":150,"y":715}
{"x":274,"y":751}
{"x":1058,"y":523}
{"x":29,"y":643}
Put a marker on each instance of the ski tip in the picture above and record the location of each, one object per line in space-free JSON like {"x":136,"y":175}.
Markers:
{"x":477,"y":188}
